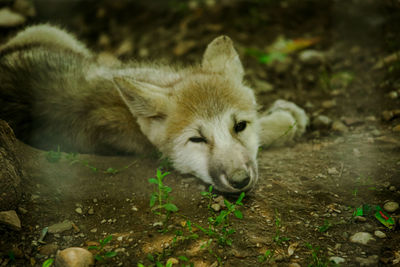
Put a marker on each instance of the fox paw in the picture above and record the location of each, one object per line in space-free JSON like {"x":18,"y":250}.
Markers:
{"x":299,"y":115}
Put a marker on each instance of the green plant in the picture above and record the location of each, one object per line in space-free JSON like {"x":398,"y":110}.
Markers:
{"x":164,"y":205}
{"x":54,"y":156}
{"x":48,"y":262}
{"x":325,"y":227}
{"x":278,"y":238}
{"x":317,"y":258}
{"x":101,"y":254}
{"x":266,"y":257}
{"x":209,"y":196}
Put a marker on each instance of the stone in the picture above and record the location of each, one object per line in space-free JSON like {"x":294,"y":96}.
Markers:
{"x":91,"y":211}
{"x":337,"y":260}
{"x":10,"y":169}
{"x":360,"y":219}
{"x":393,"y":95}
{"x":48,"y":249}
{"x":392,"y":188}
{"x":263,"y":86}
{"x":60,"y":227}
{"x":79,"y":210}
{"x":328,"y":104}
{"x":370,"y":261}
{"x":396,"y":128}
{"x":216,"y":207}
{"x":379,"y":234}
{"x":172,"y":261}
{"x":74,"y":257}
{"x":9,"y":18}
{"x":361,"y":238}
{"x":311,"y":57}
{"x":339,"y":126}
{"x":322,"y":121}
{"x":10,"y":219}
{"x":391,"y":206}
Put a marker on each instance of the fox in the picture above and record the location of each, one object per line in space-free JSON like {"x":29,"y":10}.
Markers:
{"x":203,"y":117}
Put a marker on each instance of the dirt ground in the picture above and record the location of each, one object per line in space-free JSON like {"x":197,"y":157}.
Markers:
{"x":301,"y":212}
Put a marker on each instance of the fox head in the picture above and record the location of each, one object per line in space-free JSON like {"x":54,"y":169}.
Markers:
{"x":205,"y":121}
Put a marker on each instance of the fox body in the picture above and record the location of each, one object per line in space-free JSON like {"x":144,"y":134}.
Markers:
{"x":204,"y":118}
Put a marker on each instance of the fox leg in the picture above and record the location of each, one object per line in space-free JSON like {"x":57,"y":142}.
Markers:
{"x":282,"y":123}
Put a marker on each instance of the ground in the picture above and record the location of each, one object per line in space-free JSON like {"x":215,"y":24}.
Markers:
{"x":301,"y":212}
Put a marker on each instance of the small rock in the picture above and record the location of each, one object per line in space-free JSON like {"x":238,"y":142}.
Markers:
{"x":157,"y":224}
{"x":220,"y":200}
{"x":263,"y":86}
{"x":340,"y":127}
{"x":74,"y":257}
{"x":376,"y":133}
{"x":392,"y":188}
{"x":390,"y":114}
{"x":94,"y":200}
{"x":79,"y":210}
{"x":48,"y":249}
{"x":356,"y":152}
{"x":91,"y":211}
{"x":311,"y":57}
{"x":333,"y":171}
{"x":10,"y":218}
{"x":361,"y":238}
{"x":391,"y":206}
{"x":60,"y":227}
{"x":396,"y":128}
{"x":393,"y":95}
{"x":370,"y":261}
{"x":337,"y":260}
{"x":322,"y":121}
{"x":94,"y":230}
{"x":360,"y":219}
{"x":125,"y":48}
{"x":22,"y":210}
{"x":379,"y":234}
{"x":328,"y":104}
{"x":216,"y":207}
{"x":9,"y":18}
{"x":294,"y":264}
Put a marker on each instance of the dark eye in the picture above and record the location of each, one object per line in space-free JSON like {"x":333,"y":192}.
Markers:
{"x":240,"y":126}
{"x":197,"y":140}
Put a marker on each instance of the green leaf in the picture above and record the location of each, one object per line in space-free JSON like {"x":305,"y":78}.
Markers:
{"x":239,"y":200}
{"x":189,"y":226}
{"x":111,"y":170}
{"x":229,"y":242}
{"x":98,"y":257}
{"x":150,"y":257}
{"x":169,"y":263}
{"x":210,"y":189}
{"x":110,"y":254}
{"x":228,"y":204}
{"x":140,"y":265}
{"x":170,"y":207}
{"x":231,"y":231}
{"x":159,"y":264}
{"x":153,"y":199}
{"x":48,"y":262}
{"x":106,"y":240}
{"x":167,"y":189}
{"x":205,"y":194}
{"x":153,"y":181}
{"x":93,"y":248}
{"x":183,"y":258}
{"x":238,"y":214}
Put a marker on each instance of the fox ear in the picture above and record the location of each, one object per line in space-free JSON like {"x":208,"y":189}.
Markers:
{"x":142,"y":99}
{"x":220,"y":56}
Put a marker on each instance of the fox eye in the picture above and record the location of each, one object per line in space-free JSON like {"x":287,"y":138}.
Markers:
{"x":240,"y":126}
{"x":197,"y":140}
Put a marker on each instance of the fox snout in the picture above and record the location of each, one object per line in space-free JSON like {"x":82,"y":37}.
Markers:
{"x":239,"y":179}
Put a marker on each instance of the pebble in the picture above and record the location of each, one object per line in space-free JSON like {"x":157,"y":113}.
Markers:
{"x":172,"y":261}
{"x":370,"y":261}
{"x":216,"y":207}
{"x":391,"y":206}
{"x":393,"y":95}
{"x":328,"y":104}
{"x":337,"y":260}
{"x":263,"y":86}
{"x":60,"y":227}
{"x":91,"y":211}
{"x":294,"y":264}
{"x":311,"y":57}
{"x":79,"y":210}
{"x":340,"y":127}
{"x":392,"y":188}
{"x":396,"y":128}
{"x":322,"y":121}
{"x":9,"y":18}
{"x":379,"y":234}
{"x":48,"y":249}
{"x":361,"y":238}
{"x":74,"y":257}
{"x":22,"y":210}
{"x":360,"y":219}
{"x":10,"y":218}
{"x":94,"y":230}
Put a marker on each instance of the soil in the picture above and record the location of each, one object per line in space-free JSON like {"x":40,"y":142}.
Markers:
{"x":316,"y":182}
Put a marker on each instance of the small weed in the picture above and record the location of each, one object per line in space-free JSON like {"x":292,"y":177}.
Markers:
{"x":278,"y":238}
{"x":317,"y":258}
{"x":266,"y":257}
{"x":209,"y":196}
{"x":101,"y":253}
{"x":162,"y":197}
{"x":325,"y":227}
{"x":54,"y":156}
{"x":48,"y":262}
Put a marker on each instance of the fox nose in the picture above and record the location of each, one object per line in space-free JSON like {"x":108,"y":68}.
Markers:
{"x":240,"y":179}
